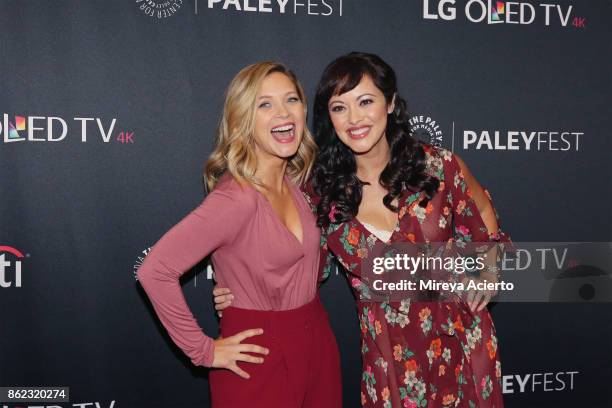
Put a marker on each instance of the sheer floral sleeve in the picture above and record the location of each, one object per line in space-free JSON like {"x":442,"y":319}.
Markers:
{"x":468,"y":226}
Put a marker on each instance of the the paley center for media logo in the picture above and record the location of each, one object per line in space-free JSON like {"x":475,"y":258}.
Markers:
{"x":11,"y":267}
{"x":18,"y":128}
{"x":159,"y":8}
{"x":427,"y":129}
{"x":503,"y":12}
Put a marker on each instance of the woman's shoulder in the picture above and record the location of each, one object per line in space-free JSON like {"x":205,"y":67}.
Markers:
{"x":438,"y":160}
{"x":234,"y":192}
{"x":436,"y":152}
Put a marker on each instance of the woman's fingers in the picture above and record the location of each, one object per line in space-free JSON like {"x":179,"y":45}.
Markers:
{"x":253,"y":348}
{"x":230,"y":350}
{"x":475,"y":299}
{"x":478,"y":300}
{"x":220,"y":298}
{"x":223,"y":299}
{"x":249,"y":359}
{"x":485,"y":301}
{"x":239,"y":371}
{"x":220,"y":291}
{"x":222,"y":305}
{"x":239,"y":337}
{"x":469,"y":296}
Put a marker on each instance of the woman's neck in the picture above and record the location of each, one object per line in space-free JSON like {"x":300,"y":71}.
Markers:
{"x":374,"y":161}
{"x":271,"y":173}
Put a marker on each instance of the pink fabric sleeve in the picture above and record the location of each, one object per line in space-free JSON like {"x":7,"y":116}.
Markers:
{"x":214,"y":223}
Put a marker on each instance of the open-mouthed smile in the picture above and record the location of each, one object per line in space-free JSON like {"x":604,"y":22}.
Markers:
{"x":284,"y":133}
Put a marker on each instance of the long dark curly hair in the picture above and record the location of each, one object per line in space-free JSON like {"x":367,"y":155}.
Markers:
{"x":334,"y":177}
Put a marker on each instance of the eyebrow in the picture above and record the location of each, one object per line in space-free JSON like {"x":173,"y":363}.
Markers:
{"x":360,"y":96}
{"x":269,"y":96}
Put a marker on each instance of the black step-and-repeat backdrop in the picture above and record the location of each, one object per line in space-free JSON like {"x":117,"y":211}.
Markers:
{"x":108,"y":113}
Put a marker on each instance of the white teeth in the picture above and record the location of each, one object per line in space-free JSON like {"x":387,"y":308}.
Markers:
{"x":283,"y":128}
{"x":360,"y":131}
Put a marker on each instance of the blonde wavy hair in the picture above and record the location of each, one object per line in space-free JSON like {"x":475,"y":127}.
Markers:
{"x":234,"y":146}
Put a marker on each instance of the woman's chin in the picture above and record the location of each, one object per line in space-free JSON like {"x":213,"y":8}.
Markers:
{"x":286,"y":152}
{"x":360,"y":147}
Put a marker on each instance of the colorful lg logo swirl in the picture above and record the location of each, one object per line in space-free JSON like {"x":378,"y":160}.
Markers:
{"x":10,"y":272}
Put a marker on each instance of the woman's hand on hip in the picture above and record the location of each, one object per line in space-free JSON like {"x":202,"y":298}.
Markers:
{"x":230,"y":350}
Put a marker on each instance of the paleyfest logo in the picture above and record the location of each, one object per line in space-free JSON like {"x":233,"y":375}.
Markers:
{"x":55,"y":129}
{"x":538,"y":382}
{"x":498,"y":12}
{"x":159,"y":8}
{"x":323,"y":8}
{"x":516,"y":140}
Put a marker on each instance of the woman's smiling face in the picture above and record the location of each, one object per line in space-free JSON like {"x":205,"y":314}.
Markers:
{"x":359,"y":116}
{"x":279,"y":117}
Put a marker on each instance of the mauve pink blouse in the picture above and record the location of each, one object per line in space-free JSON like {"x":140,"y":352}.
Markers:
{"x":253,"y":253}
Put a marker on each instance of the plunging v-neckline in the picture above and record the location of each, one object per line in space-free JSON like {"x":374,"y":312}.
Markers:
{"x":362,"y":225}
{"x":401,"y":202}
{"x":397,"y":223}
{"x":376,"y":231}
{"x":278,"y":218}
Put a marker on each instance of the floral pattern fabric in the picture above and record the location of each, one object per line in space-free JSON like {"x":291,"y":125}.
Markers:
{"x":422,"y":353}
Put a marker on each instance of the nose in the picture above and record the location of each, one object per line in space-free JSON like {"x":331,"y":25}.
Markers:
{"x":282,"y":111}
{"x":354,"y":116}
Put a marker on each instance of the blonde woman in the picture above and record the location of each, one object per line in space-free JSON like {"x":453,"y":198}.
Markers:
{"x":276,"y":347}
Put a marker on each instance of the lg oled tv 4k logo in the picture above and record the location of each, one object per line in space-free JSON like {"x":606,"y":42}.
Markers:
{"x":10,"y":267}
{"x":499,"y":12}
{"x":56,"y":129}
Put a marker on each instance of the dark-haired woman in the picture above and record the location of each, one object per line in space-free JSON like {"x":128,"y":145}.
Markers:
{"x":373,"y":183}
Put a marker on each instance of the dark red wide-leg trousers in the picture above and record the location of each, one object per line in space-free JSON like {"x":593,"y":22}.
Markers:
{"x":301,"y":371}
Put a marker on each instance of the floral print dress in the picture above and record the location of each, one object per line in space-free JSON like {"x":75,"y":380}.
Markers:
{"x":422,"y":353}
